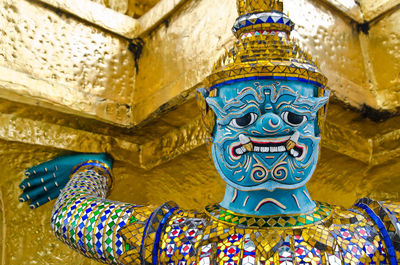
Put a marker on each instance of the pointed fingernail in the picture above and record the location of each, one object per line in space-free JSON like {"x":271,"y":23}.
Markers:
{"x":32,"y":206}
{"x":21,"y":200}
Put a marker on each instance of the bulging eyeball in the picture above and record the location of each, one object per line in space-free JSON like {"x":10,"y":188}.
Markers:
{"x":244,"y":121}
{"x":293,"y":119}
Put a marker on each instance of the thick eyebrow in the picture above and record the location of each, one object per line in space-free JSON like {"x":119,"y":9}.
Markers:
{"x":301,"y":104}
{"x":239,"y":113}
{"x":239,"y":102}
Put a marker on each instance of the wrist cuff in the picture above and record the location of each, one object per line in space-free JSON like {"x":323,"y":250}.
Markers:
{"x":101,"y":167}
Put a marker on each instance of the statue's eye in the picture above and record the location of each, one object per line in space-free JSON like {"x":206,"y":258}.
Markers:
{"x":244,"y":121}
{"x":293,"y":119}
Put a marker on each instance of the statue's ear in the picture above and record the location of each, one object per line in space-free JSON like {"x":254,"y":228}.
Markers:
{"x":214,"y":103}
{"x":322,"y":101}
{"x":202,"y":92}
{"x":208,"y":116}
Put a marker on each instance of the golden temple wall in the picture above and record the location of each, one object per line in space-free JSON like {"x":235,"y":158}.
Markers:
{"x":69,"y":83}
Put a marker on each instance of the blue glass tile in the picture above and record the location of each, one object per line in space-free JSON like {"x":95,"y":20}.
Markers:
{"x":270,"y":20}
{"x":121,"y":224}
{"x":98,"y":244}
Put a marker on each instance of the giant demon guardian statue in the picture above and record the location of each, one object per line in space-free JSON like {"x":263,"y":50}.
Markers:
{"x":263,"y":104}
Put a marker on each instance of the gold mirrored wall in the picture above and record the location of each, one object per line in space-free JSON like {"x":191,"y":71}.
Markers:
{"x":119,"y":77}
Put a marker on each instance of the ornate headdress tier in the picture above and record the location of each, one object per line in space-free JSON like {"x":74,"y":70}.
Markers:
{"x":264,"y":49}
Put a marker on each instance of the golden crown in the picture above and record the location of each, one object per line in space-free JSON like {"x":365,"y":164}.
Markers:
{"x":257,"y":6}
{"x":264,"y":49}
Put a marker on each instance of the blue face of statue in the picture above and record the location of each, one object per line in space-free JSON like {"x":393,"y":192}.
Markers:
{"x":266,"y":134}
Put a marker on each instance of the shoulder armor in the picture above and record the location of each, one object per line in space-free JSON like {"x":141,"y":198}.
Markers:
{"x":142,"y":235}
{"x":387,"y":223}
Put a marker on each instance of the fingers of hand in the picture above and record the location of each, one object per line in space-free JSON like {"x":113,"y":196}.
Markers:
{"x":42,"y":169}
{"x":33,"y":193}
{"x":42,"y":179}
{"x":45,"y":198}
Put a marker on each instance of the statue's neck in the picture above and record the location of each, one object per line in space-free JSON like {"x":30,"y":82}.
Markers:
{"x":263,"y":202}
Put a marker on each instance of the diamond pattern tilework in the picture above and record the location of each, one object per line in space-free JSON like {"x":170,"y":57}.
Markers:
{"x":319,"y":214}
{"x":115,"y":225}
{"x":99,"y":229}
{"x":80,"y":224}
{"x":88,"y":223}
{"x":89,"y":234}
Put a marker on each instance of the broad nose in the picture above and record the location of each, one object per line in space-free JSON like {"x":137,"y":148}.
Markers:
{"x":270,"y":123}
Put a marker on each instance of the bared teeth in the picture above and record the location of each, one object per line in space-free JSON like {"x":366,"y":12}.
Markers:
{"x":294,"y":153}
{"x":274,"y":146}
{"x":264,"y":149}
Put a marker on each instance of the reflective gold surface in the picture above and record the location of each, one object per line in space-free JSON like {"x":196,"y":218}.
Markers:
{"x":372,"y":9}
{"x":181,"y":57}
{"x":98,"y":15}
{"x":67,"y":85}
{"x":132,"y":8}
{"x":349,"y":7}
{"x":383,"y":49}
{"x":59,"y":48}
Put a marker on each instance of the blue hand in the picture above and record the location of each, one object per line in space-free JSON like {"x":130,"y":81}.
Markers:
{"x":45,"y":181}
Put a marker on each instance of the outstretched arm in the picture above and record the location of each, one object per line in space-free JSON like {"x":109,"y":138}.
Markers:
{"x":82,"y":217}
{"x":87,"y":222}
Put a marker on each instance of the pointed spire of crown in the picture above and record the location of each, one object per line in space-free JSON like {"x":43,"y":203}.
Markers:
{"x":258,"y":6}
{"x":264,"y":49}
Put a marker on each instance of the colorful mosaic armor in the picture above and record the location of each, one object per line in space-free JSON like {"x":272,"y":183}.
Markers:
{"x":263,"y":105}
{"x":121,"y":233}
